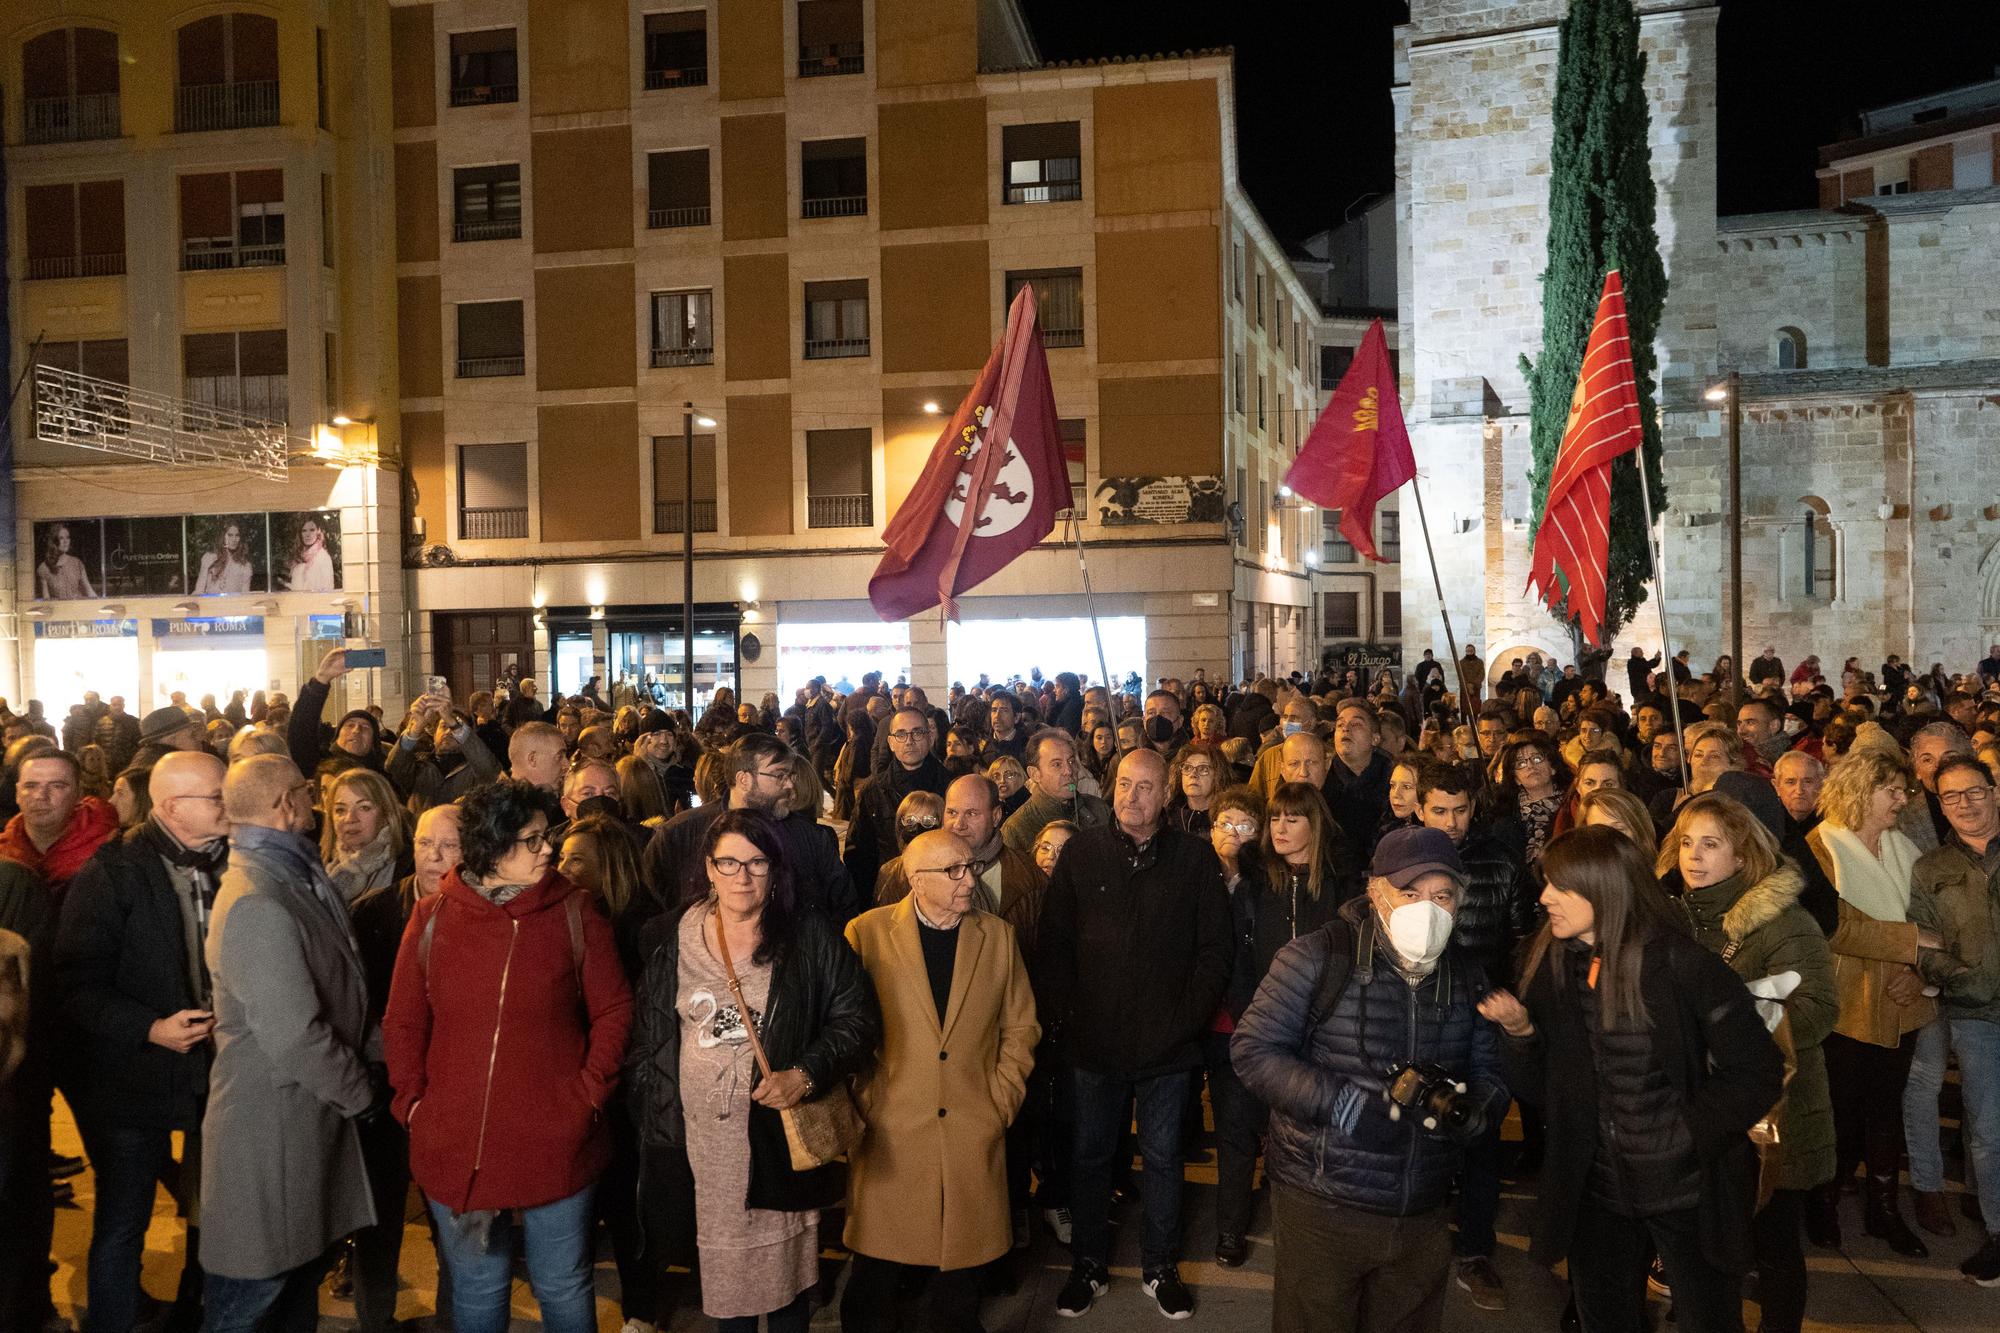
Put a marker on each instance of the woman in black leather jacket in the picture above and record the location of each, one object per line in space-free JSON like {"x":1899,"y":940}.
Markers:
{"x":817,"y":1017}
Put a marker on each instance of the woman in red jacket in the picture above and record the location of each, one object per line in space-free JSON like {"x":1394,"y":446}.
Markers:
{"x":505,"y":1029}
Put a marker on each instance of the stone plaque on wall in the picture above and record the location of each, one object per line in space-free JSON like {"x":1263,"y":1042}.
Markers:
{"x":1138,"y":501}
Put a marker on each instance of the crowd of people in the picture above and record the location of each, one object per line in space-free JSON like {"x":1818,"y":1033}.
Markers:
{"x":901,"y":980}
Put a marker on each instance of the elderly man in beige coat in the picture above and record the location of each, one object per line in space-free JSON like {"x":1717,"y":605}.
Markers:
{"x":928,"y":1184}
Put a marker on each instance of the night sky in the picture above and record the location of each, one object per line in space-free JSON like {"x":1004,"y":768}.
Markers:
{"x":1312,"y":83}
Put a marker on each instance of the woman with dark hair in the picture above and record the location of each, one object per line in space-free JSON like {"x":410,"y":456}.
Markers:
{"x":1401,"y":811}
{"x":1196,"y":775}
{"x":853,"y":764}
{"x":131,"y":797}
{"x":1099,"y":753}
{"x":696,"y":1089}
{"x":1310,"y":869}
{"x":505,"y":1026}
{"x":1530,"y":777}
{"x":1652,"y":1064}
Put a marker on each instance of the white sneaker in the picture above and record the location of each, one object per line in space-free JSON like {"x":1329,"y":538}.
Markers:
{"x":638,"y":1326}
{"x":1059,"y":1222}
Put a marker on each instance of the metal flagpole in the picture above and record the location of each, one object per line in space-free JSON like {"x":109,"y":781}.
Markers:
{"x":1075,"y":526}
{"x":1450,"y":641}
{"x":1660,"y":596}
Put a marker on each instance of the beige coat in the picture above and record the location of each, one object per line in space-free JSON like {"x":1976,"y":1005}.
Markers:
{"x":928,"y":1183}
{"x":1866,"y":953}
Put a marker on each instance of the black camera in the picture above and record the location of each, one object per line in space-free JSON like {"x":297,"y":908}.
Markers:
{"x":1430,"y":1092}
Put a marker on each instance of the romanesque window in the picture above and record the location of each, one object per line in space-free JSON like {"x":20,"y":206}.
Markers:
{"x":1789,"y":350}
{"x":1818,"y":551}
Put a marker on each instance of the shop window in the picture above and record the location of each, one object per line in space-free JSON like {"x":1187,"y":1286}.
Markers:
{"x":677,"y":49}
{"x":492,"y":491}
{"x":69,"y":84}
{"x":228,"y":66}
{"x":683,"y":328}
{"x":677,"y":189}
{"x":1043,"y":163}
{"x":75,"y":231}
{"x":1058,"y":303}
{"x":830,"y":38}
{"x":244,"y":373}
{"x":486,"y":202}
{"x":833,"y":178}
{"x":670,"y":483}
{"x":836,"y":319}
{"x":490,"y":340}
{"x":233,"y":219}
{"x":484,"y":68}
{"x":1340,"y":615}
{"x":840,"y":473}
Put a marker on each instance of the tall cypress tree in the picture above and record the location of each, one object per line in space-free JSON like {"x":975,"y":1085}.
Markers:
{"x":1600,"y":218}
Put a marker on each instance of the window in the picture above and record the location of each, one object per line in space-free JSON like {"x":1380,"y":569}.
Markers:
{"x":677,"y":189}
{"x":829,"y":38}
{"x":1263,"y":516}
{"x":1341,"y":615}
{"x":1260,"y":298}
{"x":233,"y":219}
{"x":238,"y":372}
{"x":489,"y":339}
{"x":484,"y":68}
{"x":319,"y":75}
{"x":836,"y":319}
{"x":1893,"y":177}
{"x":492,"y":491}
{"x":1389,"y":534}
{"x":70,"y":85}
{"x":833,"y":178}
{"x":1972,"y":164}
{"x":670,"y":507}
{"x":486,"y":202}
{"x":228,"y":66}
{"x":326,"y":221}
{"x":1392,"y":616}
{"x":1236,"y":275}
{"x":1334,"y":548}
{"x":1263,"y":382}
{"x":1296,"y":363}
{"x":1242,"y":500}
{"x":677,"y":49}
{"x":329,"y":379}
{"x":1819,"y":552}
{"x":1044,"y":163}
{"x":1071,"y":431}
{"x":839,"y":479}
{"x":104,"y":359}
{"x":1790,"y":351}
{"x":1236,"y":390}
{"x":683,"y":331}
{"x":75,"y":231}
{"x":1058,"y":303}
{"x":1333,"y":364}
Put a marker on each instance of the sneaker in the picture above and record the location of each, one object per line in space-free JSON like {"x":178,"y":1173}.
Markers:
{"x":1086,"y":1283}
{"x":1656,"y":1279}
{"x":1231,"y":1250}
{"x":1984,"y":1266}
{"x":1059,"y":1222}
{"x":1164,"y":1285}
{"x":1481,"y":1281}
{"x":638,"y":1326}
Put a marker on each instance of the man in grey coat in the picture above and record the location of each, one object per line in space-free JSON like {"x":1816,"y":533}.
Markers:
{"x":282,"y":1173}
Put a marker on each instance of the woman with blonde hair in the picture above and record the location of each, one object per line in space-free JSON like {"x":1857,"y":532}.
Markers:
{"x":640,"y":794}
{"x":364,"y":833}
{"x":808,"y":793}
{"x":1882,"y":1000}
{"x":1616,"y":808}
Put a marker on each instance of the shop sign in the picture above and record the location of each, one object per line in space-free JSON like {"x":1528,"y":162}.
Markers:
{"x":198,"y":627}
{"x":1368,"y":656}
{"x":1138,"y":501}
{"x":88,"y":629}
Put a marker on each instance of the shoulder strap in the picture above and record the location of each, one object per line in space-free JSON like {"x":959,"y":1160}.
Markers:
{"x":1333,"y":979}
{"x":736,"y":989}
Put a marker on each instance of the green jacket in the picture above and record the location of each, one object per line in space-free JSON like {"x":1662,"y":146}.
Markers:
{"x":1951,"y":893}
{"x":1771,"y":933}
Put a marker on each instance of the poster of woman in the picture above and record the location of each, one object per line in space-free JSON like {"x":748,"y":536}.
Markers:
{"x":69,"y":558}
{"x":306,"y":551}
{"x":230,"y":554}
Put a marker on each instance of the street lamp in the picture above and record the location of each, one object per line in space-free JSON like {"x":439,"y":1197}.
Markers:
{"x":1730,"y":390}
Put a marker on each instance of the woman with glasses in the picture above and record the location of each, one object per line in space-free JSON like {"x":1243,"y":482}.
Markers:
{"x":696,"y":1090}
{"x":1197,"y":775}
{"x":1530,"y":777}
{"x":1882,"y":999}
{"x":506,"y":1023}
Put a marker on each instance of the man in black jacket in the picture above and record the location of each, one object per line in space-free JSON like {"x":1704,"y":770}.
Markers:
{"x":1135,"y":953}
{"x":358,"y":737}
{"x":134,"y":1001}
{"x":871,"y":838}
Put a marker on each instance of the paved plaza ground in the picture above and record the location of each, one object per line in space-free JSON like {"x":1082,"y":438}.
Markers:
{"x":1865,"y":1289}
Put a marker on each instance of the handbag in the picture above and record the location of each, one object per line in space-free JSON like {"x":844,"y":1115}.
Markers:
{"x":819,"y":1131}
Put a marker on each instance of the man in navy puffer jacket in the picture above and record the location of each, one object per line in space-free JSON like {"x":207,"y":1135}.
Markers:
{"x":1361,"y":1198}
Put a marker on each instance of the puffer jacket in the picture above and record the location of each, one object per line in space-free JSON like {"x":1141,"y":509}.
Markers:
{"x":1498,"y":908}
{"x":822,"y":1016}
{"x":1392,"y":1167}
{"x":1761,"y":931}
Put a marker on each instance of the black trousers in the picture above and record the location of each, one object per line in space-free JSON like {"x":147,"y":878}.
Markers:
{"x":617,"y":1203}
{"x":1239,"y":1122}
{"x":27,"y":1210}
{"x":1866,"y":1084}
{"x":868,"y":1305}
{"x":378,"y":1250}
{"x":1781,"y":1261}
{"x":1607,"y":1273}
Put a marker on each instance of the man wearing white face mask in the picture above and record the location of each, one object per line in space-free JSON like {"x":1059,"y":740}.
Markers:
{"x":1365,"y":1043}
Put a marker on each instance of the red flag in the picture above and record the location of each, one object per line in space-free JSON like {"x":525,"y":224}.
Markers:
{"x":1359,"y":450}
{"x":974,"y":509}
{"x":1604,"y":422}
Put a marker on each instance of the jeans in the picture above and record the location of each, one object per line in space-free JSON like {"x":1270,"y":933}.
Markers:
{"x":1920,"y":1107}
{"x":287,"y":1303}
{"x":1239,"y":1119}
{"x":1607,"y":1273}
{"x":129,"y":1161}
{"x":1977,"y":1041}
{"x":1340,"y":1269}
{"x":794,"y":1318}
{"x":557,"y":1239}
{"x":1100,"y":1125}
{"x":1479,"y":1195}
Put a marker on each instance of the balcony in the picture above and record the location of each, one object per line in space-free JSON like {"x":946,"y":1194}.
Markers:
{"x":823,"y":349}
{"x":500,"y":229}
{"x":657,"y":79}
{"x":682,"y":356}
{"x":197,"y":256}
{"x":484,"y":94}
{"x":1062,"y":337}
{"x":265,"y":397}
{"x":225,"y":106}
{"x":71,"y":119}
{"x":1047,"y":191}
{"x":836,"y":206}
{"x":840,"y":511}
{"x":660,"y":219}
{"x":669,"y":515}
{"x":820,"y":61}
{"x":486,"y":525}
{"x":76,"y":266}
{"x":491,"y":367}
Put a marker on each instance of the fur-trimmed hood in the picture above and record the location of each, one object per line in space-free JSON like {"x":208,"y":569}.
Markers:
{"x":1751,"y":908}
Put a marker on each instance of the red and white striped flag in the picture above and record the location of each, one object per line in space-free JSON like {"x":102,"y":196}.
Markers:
{"x":1604,"y":422}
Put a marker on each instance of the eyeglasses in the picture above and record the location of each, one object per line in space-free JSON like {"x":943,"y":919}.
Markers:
{"x":729,"y":867}
{"x":536,"y":841}
{"x":918,"y":821}
{"x":1531,"y":761}
{"x":1242,"y":828}
{"x":1198,"y":771}
{"x":437,"y":845}
{"x":957,"y":871}
{"x":1953,"y":800}
{"x":907,"y":735}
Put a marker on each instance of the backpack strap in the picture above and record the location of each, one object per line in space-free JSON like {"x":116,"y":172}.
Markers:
{"x":1332,"y":981}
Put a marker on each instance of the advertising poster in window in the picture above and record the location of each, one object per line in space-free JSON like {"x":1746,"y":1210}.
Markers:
{"x":229,"y":554}
{"x":143,"y":557}
{"x":69,"y":558}
{"x":305,"y":551}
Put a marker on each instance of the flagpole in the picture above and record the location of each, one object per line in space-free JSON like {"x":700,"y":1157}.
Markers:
{"x":1660,"y":596}
{"x":1075,"y":526}
{"x":1450,"y":641}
